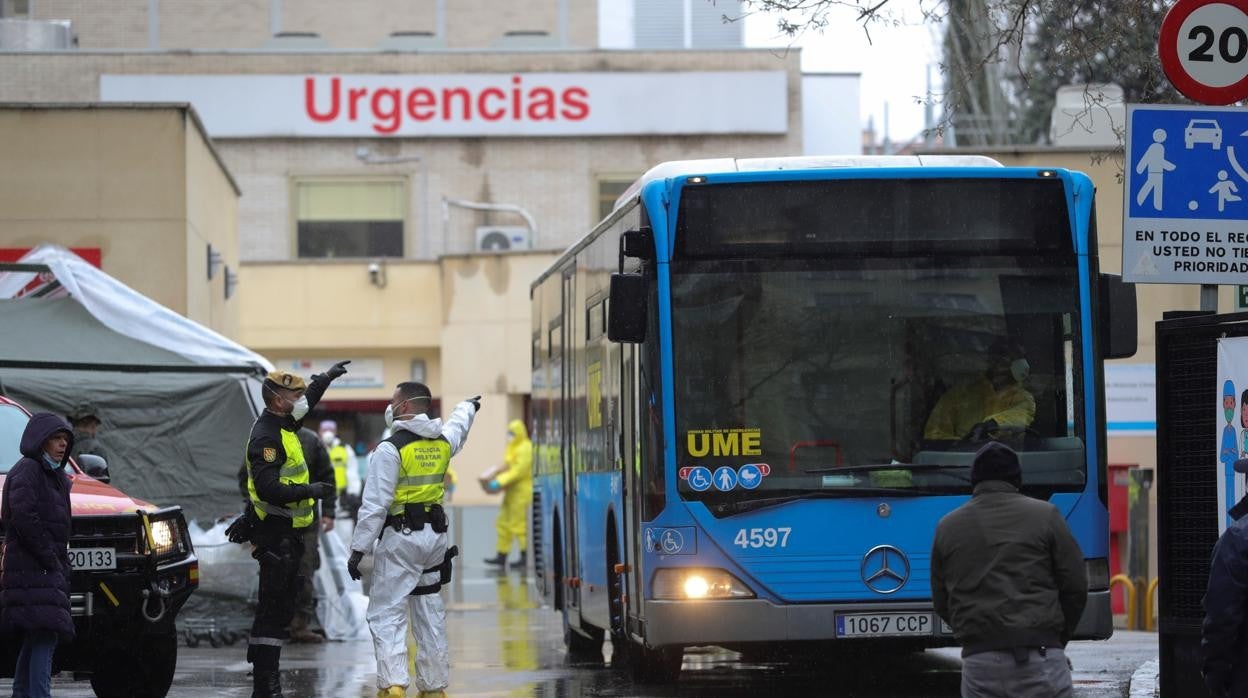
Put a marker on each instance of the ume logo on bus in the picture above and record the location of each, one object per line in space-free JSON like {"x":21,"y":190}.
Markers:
{"x":724,"y":442}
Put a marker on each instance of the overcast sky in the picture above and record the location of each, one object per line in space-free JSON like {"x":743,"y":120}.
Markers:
{"x":893,"y":63}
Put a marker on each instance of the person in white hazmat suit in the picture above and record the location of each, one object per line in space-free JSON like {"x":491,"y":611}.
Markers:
{"x":402,"y":505}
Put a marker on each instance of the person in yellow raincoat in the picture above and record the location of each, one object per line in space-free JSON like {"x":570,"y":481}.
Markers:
{"x":975,"y":410}
{"x":515,"y":480}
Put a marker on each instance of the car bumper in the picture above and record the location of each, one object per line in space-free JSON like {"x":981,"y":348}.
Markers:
{"x":116,"y":597}
{"x":732,"y":622}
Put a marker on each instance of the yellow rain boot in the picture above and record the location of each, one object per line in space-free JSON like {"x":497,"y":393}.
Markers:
{"x":392,"y":692}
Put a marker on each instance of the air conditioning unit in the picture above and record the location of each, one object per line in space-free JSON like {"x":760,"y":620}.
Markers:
{"x":503,"y":238}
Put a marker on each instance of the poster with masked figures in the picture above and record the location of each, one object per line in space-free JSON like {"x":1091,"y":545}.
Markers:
{"x":1232,"y":434}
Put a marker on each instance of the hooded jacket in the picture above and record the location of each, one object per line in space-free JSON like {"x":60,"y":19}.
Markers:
{"x":384,"y":463}
{"x":517,"y":479}
{"x":34,"y":566}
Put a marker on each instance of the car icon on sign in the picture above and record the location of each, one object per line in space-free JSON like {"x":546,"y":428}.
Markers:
{"x":1203,"y":131}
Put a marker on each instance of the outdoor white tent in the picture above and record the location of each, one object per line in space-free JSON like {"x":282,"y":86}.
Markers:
{"x":176,"y":400}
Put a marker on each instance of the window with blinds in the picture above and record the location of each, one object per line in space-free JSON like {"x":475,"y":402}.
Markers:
{"x":610,"y":187}
{"x":349,"y":217}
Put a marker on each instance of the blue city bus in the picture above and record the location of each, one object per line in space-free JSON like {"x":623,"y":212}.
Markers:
{"x":733,"y":379}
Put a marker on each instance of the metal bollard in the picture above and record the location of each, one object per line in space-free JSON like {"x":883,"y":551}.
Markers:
{"x":1150,"y":595}
{"x":1131,"y":591}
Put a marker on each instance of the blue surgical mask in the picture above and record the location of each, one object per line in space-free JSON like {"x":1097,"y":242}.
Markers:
{"x":53,"y":464}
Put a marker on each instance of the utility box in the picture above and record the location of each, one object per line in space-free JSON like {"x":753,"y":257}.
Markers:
{"x":1187,"y":485}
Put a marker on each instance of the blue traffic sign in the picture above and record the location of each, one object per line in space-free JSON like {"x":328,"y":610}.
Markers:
{"x":725,"y":479}
{"x":1185,"y":192}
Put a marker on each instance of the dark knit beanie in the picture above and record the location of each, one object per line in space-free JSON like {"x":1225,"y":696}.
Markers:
{"x":996,"y":461}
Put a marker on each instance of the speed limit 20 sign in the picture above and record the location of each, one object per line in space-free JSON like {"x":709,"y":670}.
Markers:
{"x":1204,"y":49}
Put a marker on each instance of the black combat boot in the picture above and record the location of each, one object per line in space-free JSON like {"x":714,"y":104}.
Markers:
{"x":499,"y":559}
{"x":520,"y":564}
{"x":267,"y":684}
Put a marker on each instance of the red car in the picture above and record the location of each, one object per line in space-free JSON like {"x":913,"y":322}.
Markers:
{"x":134,"y":568}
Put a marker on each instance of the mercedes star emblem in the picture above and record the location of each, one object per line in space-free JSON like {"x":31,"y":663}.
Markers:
{"x":885,"y":569}
{"x":883,"y":510}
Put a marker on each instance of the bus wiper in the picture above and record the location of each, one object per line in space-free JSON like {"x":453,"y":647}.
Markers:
{"x":825,"y":493}
{"x":876,"y":467}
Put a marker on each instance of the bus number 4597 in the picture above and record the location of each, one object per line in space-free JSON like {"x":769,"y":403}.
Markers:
{"x":763,"y":537}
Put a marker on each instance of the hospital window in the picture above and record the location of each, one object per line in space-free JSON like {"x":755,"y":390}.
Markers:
{"x":14,"y":8}
{"x":349,"y":217}
{"x":610,"y":187}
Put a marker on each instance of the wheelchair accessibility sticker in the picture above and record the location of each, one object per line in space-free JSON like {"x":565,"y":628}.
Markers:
{"x":671,"y":541}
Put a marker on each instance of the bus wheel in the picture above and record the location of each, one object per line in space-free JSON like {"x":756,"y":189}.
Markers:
{"x":655,"y":666}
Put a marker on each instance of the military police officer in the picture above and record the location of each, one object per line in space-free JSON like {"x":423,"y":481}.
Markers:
{"x":282,"y":506}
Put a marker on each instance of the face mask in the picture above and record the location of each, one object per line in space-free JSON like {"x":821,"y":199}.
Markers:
{"x":327,"y":438}
{"x":1230,"y":414}
{"x":300,"y":409}
{"x":53,"y":464}
{"x":389,"y":416}
{"x":1020,"y":369}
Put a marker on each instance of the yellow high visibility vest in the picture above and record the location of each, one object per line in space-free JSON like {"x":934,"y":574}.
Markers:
{"x":338,"y":457}
{"x":293,"y":472}
{"x":422,"y":470}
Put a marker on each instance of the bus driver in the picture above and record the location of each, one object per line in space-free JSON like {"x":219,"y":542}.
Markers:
{"x":975,"y":409}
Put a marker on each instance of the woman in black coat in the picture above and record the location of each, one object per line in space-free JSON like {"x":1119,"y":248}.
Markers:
{"x":34,"y":568}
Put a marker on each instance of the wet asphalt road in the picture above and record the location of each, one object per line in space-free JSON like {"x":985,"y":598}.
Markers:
{"x":504,"y":644}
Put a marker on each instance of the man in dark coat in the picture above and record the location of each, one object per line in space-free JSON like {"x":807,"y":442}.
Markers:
{"x":1224,"y":633}
{"x":34,"y":575}
{"x":1009,"y":578}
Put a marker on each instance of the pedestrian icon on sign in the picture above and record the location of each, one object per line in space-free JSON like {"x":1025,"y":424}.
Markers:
{"x":1225,"y":189}
{"x":1154,"y":160}
{"x":725,"y":479}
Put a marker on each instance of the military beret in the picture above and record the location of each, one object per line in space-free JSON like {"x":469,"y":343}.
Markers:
{"x":282,"y":379}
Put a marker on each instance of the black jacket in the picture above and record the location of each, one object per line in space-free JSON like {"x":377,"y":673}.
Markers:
{"x":319,"y":467}
{"x":266,"y":434}
{"x":1006,"y":572}
{"x":1223,"y":635}
{"x":35,"y":571}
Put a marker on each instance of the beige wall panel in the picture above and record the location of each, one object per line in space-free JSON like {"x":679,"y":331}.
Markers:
{"x":200,"y":24}
{"x":333,"y":305}
{"x":362,"y":23}
{"x":99,"y":24}
{"x":212,"y":218}
{"x":145,"y":255}
{"x":396,"y":369}
{"x":480,"y":23}
{"x":92,"y":164}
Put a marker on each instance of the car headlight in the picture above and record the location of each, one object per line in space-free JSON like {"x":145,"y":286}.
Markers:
{"x":698,"y":583}
{"x":165,"y":537}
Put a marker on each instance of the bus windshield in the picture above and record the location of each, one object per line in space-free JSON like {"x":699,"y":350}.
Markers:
{"x":872,"y":376}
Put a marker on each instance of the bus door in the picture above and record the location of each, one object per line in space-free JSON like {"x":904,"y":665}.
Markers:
{"x":630,"y":461}
{"x":568,"y":447}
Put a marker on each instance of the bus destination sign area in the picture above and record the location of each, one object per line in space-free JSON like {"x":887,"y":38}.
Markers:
{"x":1185,"y":208}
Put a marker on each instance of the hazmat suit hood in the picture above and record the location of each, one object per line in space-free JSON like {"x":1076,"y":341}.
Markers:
{"x":420,"y":425}
{"x":40,"y":427}
{"x":521,"y":434}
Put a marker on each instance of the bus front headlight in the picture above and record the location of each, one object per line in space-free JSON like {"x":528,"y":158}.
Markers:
{"x":681,"y":584}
